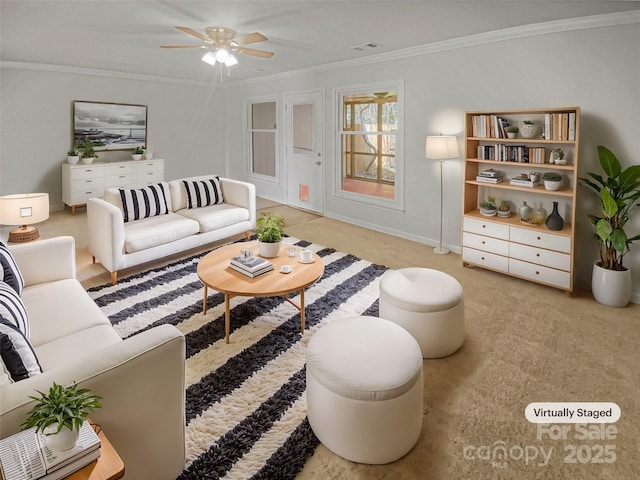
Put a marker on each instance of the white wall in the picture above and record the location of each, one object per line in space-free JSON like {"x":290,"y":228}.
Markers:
{"x":596,"y":69}
{"x":185,"y":126}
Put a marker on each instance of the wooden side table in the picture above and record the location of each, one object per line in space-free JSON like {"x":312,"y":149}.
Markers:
{"x":109,"y":466}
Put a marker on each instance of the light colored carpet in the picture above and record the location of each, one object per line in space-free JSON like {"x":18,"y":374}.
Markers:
{"x":525,"y":343}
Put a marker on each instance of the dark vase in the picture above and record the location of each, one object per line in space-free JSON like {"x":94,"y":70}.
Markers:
{"x":554,"y":220}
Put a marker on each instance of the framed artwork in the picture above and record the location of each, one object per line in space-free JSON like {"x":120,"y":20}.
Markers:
{"x":110,"y":126}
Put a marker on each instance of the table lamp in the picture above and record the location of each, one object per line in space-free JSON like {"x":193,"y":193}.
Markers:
{"x":24,"y":209}
{"x":441,"y":148}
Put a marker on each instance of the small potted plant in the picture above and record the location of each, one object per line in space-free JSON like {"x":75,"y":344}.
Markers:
{"x":512,"y":131}
{"x":88,"y":152}
{"x":269,"y":228}
{"x":552,"y":180}
{"x":138,"y":153}
{"x":73,"y":156}
{"x":528,"y":129}
{"x":557,"y":156}
{"x":489,"y":207}
{"x":504,"y":209}
{"x":60,"y":414}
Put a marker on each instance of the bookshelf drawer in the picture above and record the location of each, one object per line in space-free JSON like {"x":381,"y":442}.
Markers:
{"x":549,"y":258}
{"x":546,"y":240}
{"x":539,"y":273}
{"x":487,"y":244}
{"x":485,"y":259}
{"x":482,"y":227}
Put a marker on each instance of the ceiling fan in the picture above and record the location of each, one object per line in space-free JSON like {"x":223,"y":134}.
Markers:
{"x":223,"y":43}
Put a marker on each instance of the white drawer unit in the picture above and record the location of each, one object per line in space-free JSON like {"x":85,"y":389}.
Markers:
{"x":485,"y":259}
{"x":539,"y":273}
{"x":482,"y":227}
{"x":488,"y":244}
{"x":81,"y":182}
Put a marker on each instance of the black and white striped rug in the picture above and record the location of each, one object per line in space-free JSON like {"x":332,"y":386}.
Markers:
{"x":245,"y":402}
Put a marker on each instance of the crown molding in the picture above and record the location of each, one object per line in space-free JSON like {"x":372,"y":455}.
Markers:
{"x":555,"y":26}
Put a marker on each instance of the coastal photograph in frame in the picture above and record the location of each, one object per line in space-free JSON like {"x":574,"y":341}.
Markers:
{"x":110,"y":126}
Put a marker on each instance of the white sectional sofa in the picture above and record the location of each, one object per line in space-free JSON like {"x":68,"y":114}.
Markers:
{"x":141,"y":379}
{"x":120,"y":244}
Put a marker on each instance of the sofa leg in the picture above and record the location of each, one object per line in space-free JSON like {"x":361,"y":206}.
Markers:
{"x":247,"y":234}
{"x":114,"y":276}
{"x":93,"y":259}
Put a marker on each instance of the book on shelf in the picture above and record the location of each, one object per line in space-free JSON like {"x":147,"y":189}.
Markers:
{"x":251,"y":264}
{"x":27,"y":456}
{"x":480,"y":178}
{"x":491,"y":173}
{"x":521,"y":182}
{"x":253,"y":274}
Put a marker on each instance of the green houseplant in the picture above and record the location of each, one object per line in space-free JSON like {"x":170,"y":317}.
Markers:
{"x":504,"y":209}
{"x":618,"y":193}
{"x":551,"y":180}
{"x":87,"y":150}
{"x":137,"y":153}
{"x":269,"y":229}
{"x":73,"y":156}
{"x":61,"y":413}
{"x":489,"y":207}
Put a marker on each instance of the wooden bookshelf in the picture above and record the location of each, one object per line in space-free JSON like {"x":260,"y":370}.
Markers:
{"x":508,"y":245}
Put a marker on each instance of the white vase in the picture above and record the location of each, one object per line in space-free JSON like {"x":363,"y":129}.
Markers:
{"x":63,"y":440}
{"x":528,"y":130}
{"x":611,"y":287}
{"x":269,"y":250}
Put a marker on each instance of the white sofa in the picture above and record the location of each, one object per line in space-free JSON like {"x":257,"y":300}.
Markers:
{"x":141,"y":378}
{"x":118,"y":244}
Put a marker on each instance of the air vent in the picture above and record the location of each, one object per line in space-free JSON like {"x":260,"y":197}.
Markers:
{"x":366,"y":46}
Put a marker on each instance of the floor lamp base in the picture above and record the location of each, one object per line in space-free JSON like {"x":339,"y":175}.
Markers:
{"x":441,"y":250}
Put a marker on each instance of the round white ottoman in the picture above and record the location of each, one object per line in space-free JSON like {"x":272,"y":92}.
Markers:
{"x":364,"y":389}
{"x":428,"y":304}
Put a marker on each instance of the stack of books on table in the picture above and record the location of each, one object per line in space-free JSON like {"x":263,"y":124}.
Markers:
{"x":490,"y":176}
{"x":523,"y":181}
{"x":252,"y":266}
{"x":26,"y":455}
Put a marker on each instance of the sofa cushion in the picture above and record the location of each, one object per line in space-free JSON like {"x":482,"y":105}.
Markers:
{"x":18,"y":357}
{"x":10,"y":272}
{"x":12,"y":309}
{"x":216,"y":216}
{"x":154,"y":231}
{"x":202,"y":193}
{"x":144,"y":202}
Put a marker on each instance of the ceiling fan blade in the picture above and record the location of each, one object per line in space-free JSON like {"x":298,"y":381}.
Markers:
{"x":250,"y":38}
{"x":198,"y":35}
{"x":253,"y":52}
{"x":183,"y":46}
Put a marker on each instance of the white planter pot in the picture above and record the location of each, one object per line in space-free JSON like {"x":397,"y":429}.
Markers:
{"x":610,"y":287}
{"x":73,"y":159}
{"x":269,"y":250}
{"x":64,"y":440}
{"x":552,"y":184}
{"x":137,"y":156}
{"x":88,"y":160}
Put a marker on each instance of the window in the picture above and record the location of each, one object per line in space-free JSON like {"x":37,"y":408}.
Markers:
{"x":262,"y":138}
{"x":369,"y":138}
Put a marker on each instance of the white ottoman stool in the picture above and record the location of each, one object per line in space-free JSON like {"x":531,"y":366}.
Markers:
{"x":364,"y":389}
{"x":428,"y":304}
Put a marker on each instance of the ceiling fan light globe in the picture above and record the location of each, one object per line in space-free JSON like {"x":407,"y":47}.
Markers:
{"x":222,"y":55}
{"x":209,"y":58}
{"x":231,"y":61}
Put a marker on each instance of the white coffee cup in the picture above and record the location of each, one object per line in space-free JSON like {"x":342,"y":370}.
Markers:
{"x":306,"y":255}
{"x":286,"y":268}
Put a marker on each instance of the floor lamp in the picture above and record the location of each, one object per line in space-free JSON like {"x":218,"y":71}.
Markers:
{"x":441,"y":148}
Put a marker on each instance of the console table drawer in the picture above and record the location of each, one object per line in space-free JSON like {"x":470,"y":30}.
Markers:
{"x":490,"y":229}
{"x":121,"y":169}
{"x":87,"y":184}
{"x":77,"y":173}
{"x":546,"y":240}
{"x":539,"y":273}
{"x":561,"y":261}
{"x":150,"y":165}
{"x":485,"y":259}
{"x":488,"y":244}
{"x":122,"y":180}
{"x":81,"y":197}
{"x":145,"y":178}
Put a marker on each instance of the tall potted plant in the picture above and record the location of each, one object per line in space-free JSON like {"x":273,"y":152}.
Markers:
{"x":269,"y":228}
{"x":618,"y":193}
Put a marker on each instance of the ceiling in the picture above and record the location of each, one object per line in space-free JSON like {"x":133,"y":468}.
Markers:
{"x":125,"y":36}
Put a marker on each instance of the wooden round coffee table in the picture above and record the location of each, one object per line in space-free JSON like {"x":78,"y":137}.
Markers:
{"x":214,"y":272}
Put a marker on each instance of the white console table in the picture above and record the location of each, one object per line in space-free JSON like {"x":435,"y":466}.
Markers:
{"x":81,"y":182}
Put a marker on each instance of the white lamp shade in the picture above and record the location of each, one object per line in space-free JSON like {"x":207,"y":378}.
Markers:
{"x":24,"y":208}
{"x":441,"y":147}
{"x":209,"y":58}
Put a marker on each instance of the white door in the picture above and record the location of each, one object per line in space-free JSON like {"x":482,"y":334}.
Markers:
{"x":304,"y":144}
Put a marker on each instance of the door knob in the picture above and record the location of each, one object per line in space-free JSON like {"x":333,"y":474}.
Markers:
{"x":318,"y":162}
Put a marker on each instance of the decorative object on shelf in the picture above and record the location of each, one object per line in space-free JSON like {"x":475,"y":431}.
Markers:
{"x":24,"y":209}
{"x":148,"y":154}
{"x":504,"y":209}
{"x":269,"y":228}
{"x":525,"y":212}
{"x":73,"y":157}
{"x":60,"y":414}
{"x":534,"y":177}
{"x":528,"y":129}
{"x":557,"y":156}
{"x":554,"y":220}
{"x":539,"y":216}
{"x":88,"y":152}
{"x":489,"y":207}
{"x":618,"y":193}
{"x":442,"y":147}
{"x":512,"y":132}
{"x":552,"y":180}
{"x":138,"y":153}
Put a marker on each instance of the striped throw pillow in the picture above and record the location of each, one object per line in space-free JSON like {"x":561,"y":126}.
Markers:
{"x":18,"y":357}
{"x":144,"y":202}
{"x":12,"y":309}
{"x":10,"y":272}
{"x":202,"y":193}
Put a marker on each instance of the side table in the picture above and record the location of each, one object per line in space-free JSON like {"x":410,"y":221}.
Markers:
{"x":109,"y":466}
